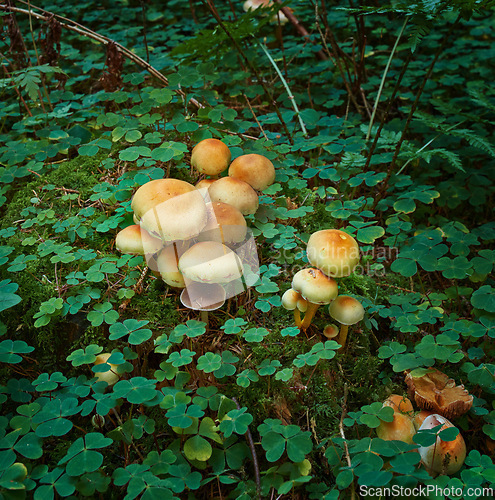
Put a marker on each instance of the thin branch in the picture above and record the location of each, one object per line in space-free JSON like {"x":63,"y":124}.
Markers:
{"x":73,"y":26}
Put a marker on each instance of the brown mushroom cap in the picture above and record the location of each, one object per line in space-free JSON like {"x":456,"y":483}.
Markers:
{"x":170,"y":209}
{"x":137,"y":241}
{"x":314,"y":286}
{"x":331,"y":331}
{"x":254,"y":169}
{"x":333,"y":251}
{"x":225,"y":224}
{"x":236,"y":193}
{"x":210,"y":262}
{"x":437,"y":392}
{"x":346,"y":310}
{"x":205,"y":183}
{"x":210,"y":156}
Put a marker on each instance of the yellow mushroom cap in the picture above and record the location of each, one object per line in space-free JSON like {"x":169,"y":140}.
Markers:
{"x":314,"y":286}
{"x":210,"y":262}
{"x":442,"y":457}
{"x":333,"y":251}
{"x":137,"y":241}
{"x":204,"y":183}
{"x":254,"y":169}
{"x":289,"y":299}
{"x":170,"y":209}
{"x":225,"y":224}
{"x":167,"y":265}
{"x":346,"y":310}
{"x":210,"y":156}
{"x":109,"y":376}
{"x":236,"y":193}
{"x":399,"y":403}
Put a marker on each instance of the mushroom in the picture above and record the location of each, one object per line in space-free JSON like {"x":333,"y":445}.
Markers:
{"x":419,"y":418}
{"x":331,"y":331}
{"x":110,"y":376}
{"x":170,"y":209}
{"x":333,"y":251}
{"x":399,"y":403}
{"x":210,"y":262}
{"x":442,"y":457}
{"x":256,"y":4}
{"x":236,"y":193}
{"x":315,"y":287}
{"x":167,"y":265}
{"x":137,"y":241}
{"x":401,"y":429}
{"x":437,"y":392}
{"x":347,"y":311}
{"x":290,"y":300}
{"x":205,"y":183}
{"x":225,"y":224}
{"x":203,"y":297}
{"x":210,"y":156}
{"x":257,"y":170}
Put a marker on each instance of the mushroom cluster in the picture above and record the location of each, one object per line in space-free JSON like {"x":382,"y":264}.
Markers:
{"x":334,"y":254}
{"x":441,"y":457}
{"x":196,"y":237}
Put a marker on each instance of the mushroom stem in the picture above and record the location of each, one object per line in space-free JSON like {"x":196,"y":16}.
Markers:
{"x":342,"y":335}
{"x":297,"y":317}
{"x":309,"y":315}
{"x":204,"y":317}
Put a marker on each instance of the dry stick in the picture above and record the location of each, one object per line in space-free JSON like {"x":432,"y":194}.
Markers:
{"x":300,"y":29}
{"x":248,"y":64}
{"x":336,"y":51}
{"x":341,"y":428}
{"x":73,"y":26}
{"x":255,"y":117}
{"x":249,"y":438}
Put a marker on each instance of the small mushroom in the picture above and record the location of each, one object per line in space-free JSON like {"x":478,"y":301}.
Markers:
{"x":109,"y":376}
{"x":401,"y":429}
{"x":225,"y":224}
{"x":257,"y":170}
{"x":236,"y":193}
{"x":333,"y":251}
{"x":442,"y":457}
{"x":290,"y":300}
{"x":137,"y":241}
{"x":316,"y":288}
{"x":210,"y":156}
{"x":399,"y":403}
{"x":331,"y":331}
{"x":347,"y":311}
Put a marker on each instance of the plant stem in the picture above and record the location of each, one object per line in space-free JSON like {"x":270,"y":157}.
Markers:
{"x":384,"y":77}
{"x":289,"y":93}
{"x":297,"y":317}
{"x":308,"y":317}
{"x":341,"y":339}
